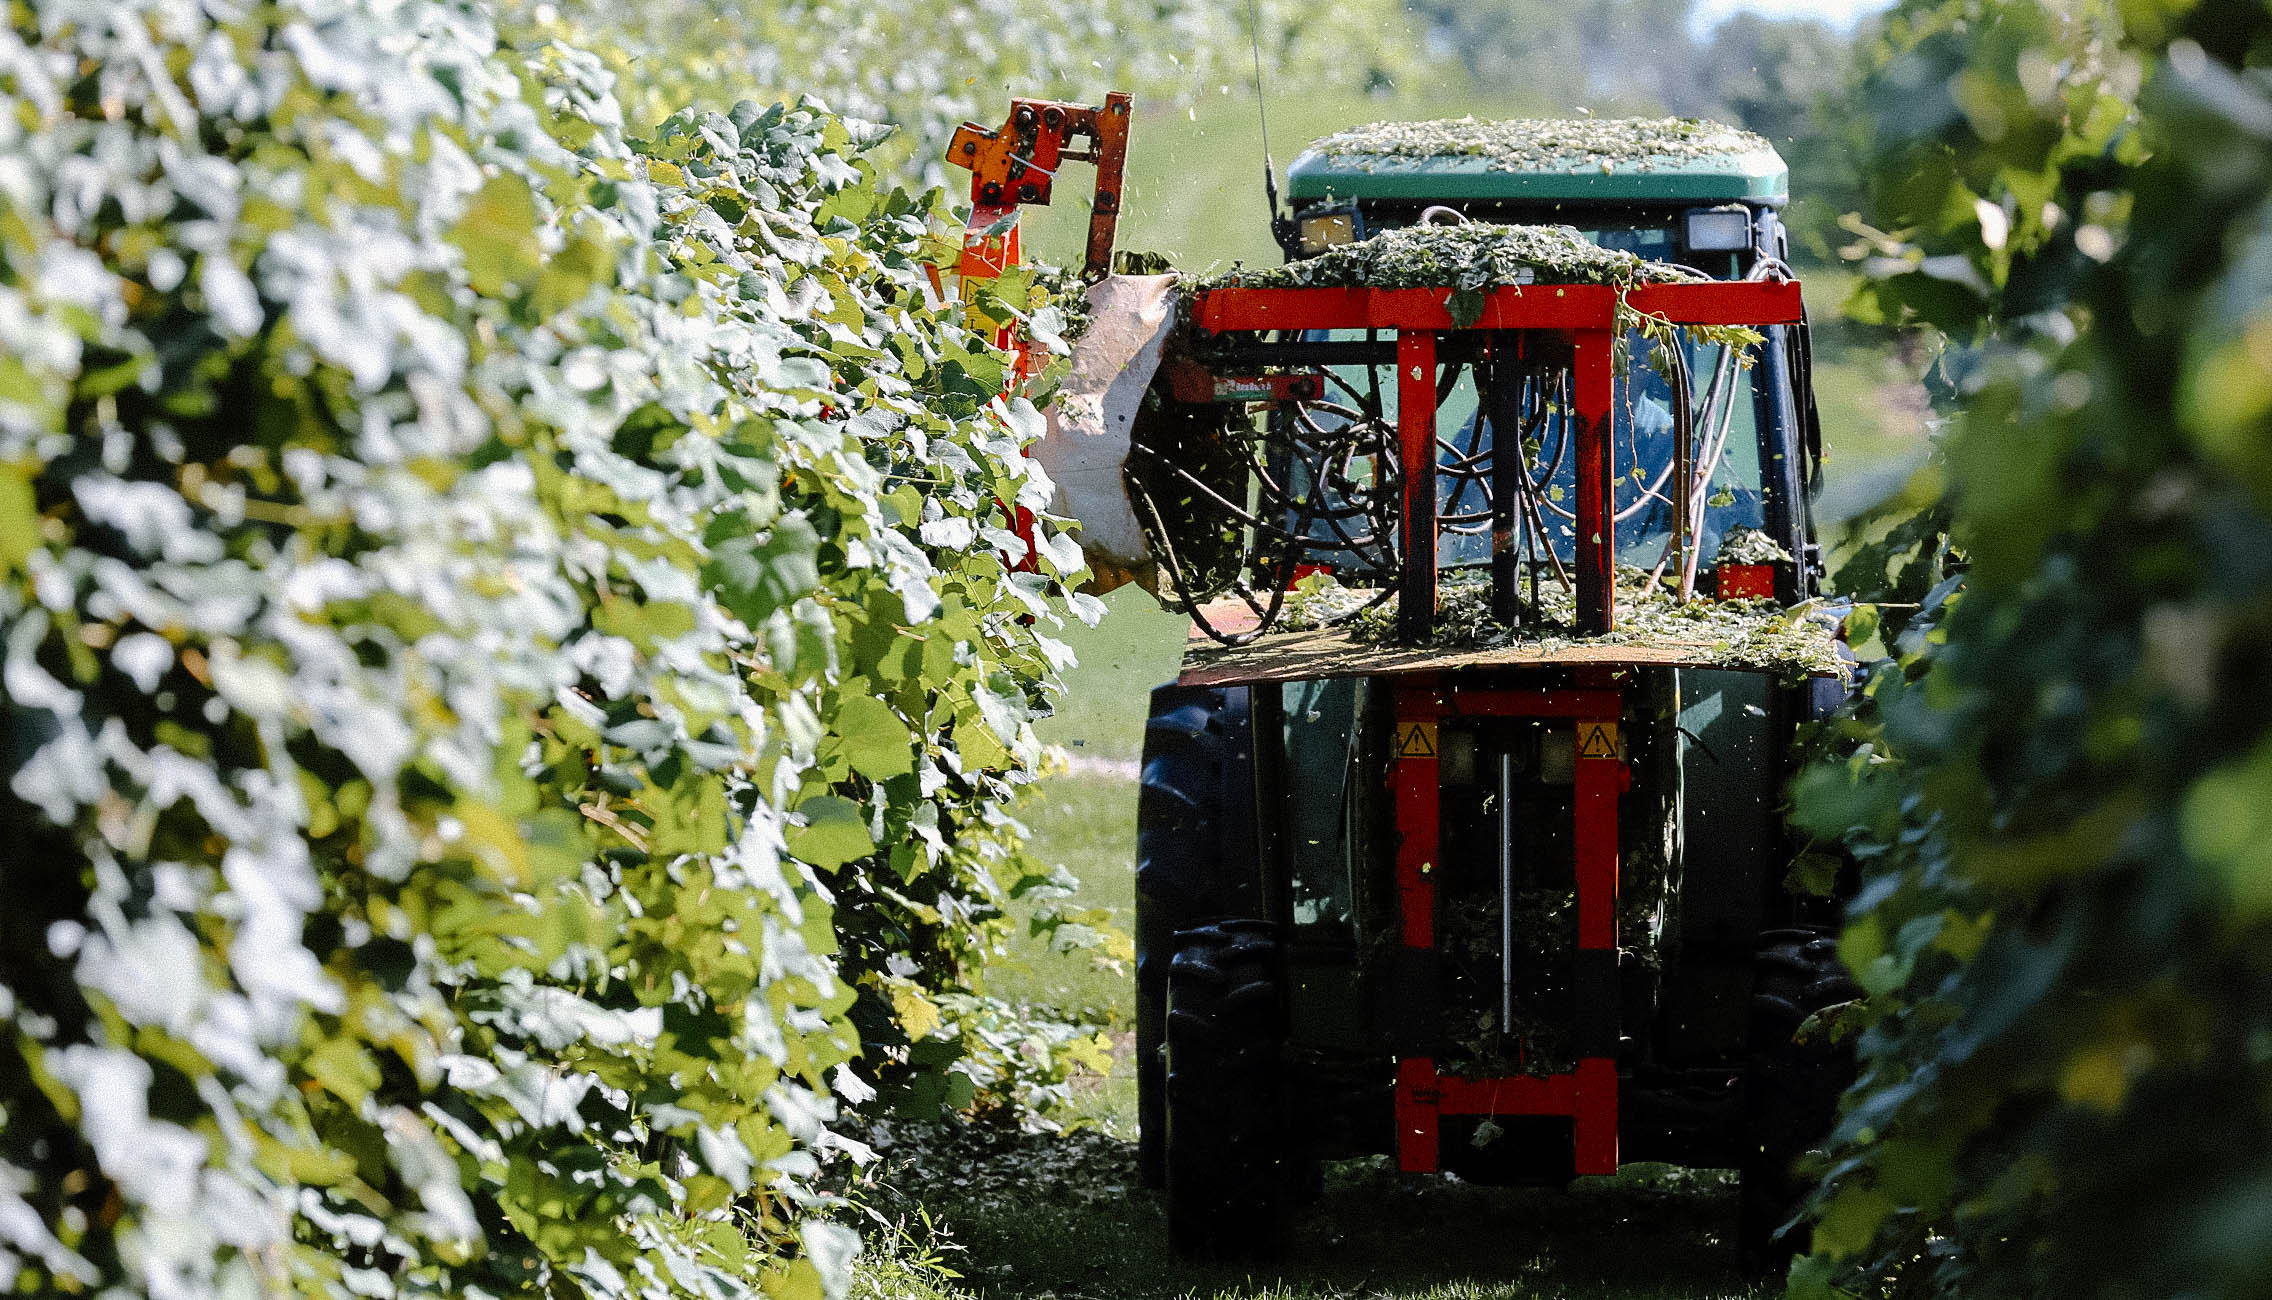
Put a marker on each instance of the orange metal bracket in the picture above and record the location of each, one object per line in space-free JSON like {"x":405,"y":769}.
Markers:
{"x":1018,"y":162}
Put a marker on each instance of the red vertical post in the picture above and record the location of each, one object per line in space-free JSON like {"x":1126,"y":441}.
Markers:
{"x":1596,"y":520}
{"x":1418,"y":790}
{"x":1417,"y":1135}
{"x":1600,"y":779}
{"x":1417,"y":811}
{"x":1416,"y":448}
{"x":1596,"y":1120}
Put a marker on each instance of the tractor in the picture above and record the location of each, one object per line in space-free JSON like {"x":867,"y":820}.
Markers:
{"x":1460,"y":836}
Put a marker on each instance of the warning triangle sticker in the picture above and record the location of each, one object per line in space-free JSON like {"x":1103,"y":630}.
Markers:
{"x":1416,"y":741}
{"x":1597,"y":740}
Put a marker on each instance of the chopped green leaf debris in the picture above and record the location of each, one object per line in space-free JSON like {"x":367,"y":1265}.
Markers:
{"x":1549,"y":144}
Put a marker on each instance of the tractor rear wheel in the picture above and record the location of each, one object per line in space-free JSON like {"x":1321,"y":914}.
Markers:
{"x":1230,"y":1178}
{"x":1791,"y":1088}
{"x":1194,"y":839}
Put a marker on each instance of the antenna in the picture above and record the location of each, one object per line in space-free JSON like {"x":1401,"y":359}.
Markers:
{"x":1262,"y":110}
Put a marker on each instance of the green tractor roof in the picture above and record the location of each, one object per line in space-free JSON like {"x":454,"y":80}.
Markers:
{"x":1634,"y":160}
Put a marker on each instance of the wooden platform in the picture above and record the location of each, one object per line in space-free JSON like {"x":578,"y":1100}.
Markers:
{"x":1333,"y":652}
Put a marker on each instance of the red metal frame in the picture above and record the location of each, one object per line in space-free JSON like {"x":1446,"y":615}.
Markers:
{"x":1588,"y":1094}
{"x":1595,"y":392}
{"x":1586,"y":312}
{"x":1509,"y":307}
{"x":1416,"y":452}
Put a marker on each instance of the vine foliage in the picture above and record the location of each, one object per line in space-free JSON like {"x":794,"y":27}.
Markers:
{"x":2057,"y":782}
{"x":510,"y":675}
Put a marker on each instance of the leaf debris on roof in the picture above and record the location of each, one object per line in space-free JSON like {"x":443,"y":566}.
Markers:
{"x":1475,"y":255}
{"x":1547,"y":144}
{"x":1470,"y":259}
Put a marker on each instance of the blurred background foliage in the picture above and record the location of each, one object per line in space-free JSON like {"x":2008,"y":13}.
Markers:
{"x":2057,"y":784}
{"x":927,"y":65}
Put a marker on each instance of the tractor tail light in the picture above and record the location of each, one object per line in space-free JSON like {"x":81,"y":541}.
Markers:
{"x":1719,"y":230}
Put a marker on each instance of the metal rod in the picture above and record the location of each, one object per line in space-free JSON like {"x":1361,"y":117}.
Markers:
{"x":1505,"y":402}
{"x":1262,"y":111}
{"x":1708,"y":416}
{"x":1538,"y":528}
{"x":1111,"y":134}
{"x":1683,"y":440}
{"x":1506,"y":890}
{"x":1704,"y":477}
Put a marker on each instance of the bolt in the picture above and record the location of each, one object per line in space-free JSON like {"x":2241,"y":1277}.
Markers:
{"x":969,"y":147}
{"x":1053,"y":118}
{"x":1028,"y":193}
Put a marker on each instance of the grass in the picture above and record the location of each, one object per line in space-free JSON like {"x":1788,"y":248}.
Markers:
{"x":1648,"y":1233}
{"x":1087,"y":824}
{"x":1100,"y":714}
{"x":1378,"y":1233}
{"x":1874,"y":411}
{"x":1873,"y":422}
{"x":1035,"y":1217}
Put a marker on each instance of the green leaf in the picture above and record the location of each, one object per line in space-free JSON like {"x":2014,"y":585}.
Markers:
{"x":19,"y":517}
{"x":1850,"y":1222}
{"x":1812,"y":873}
{"x":344,"y":1069}
{"x":426,"y":587}
{"x":1466,"y":305}
{"x":753,"y":577}
{"x":835,"y":832}
{"x":585,"y":263}
{"x":877,"y":742}
{"x":498,"y":235}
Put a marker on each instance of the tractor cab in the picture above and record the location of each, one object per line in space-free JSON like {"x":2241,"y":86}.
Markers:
{"x":1680,"y":192}
{"x":1677,"y":190}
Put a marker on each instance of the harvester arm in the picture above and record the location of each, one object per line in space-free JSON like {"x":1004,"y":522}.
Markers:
{"x":1018,"y":162}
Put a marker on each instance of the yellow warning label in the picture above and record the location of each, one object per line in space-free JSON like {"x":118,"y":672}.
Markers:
{"x":1598,"y":740}
{"x":1416,"y":741}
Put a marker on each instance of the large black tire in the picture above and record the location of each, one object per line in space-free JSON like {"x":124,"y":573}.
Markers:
{"x":1190,"y":834}
{"x":1231,"y":1179}
{"x":1791,"y":1088}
